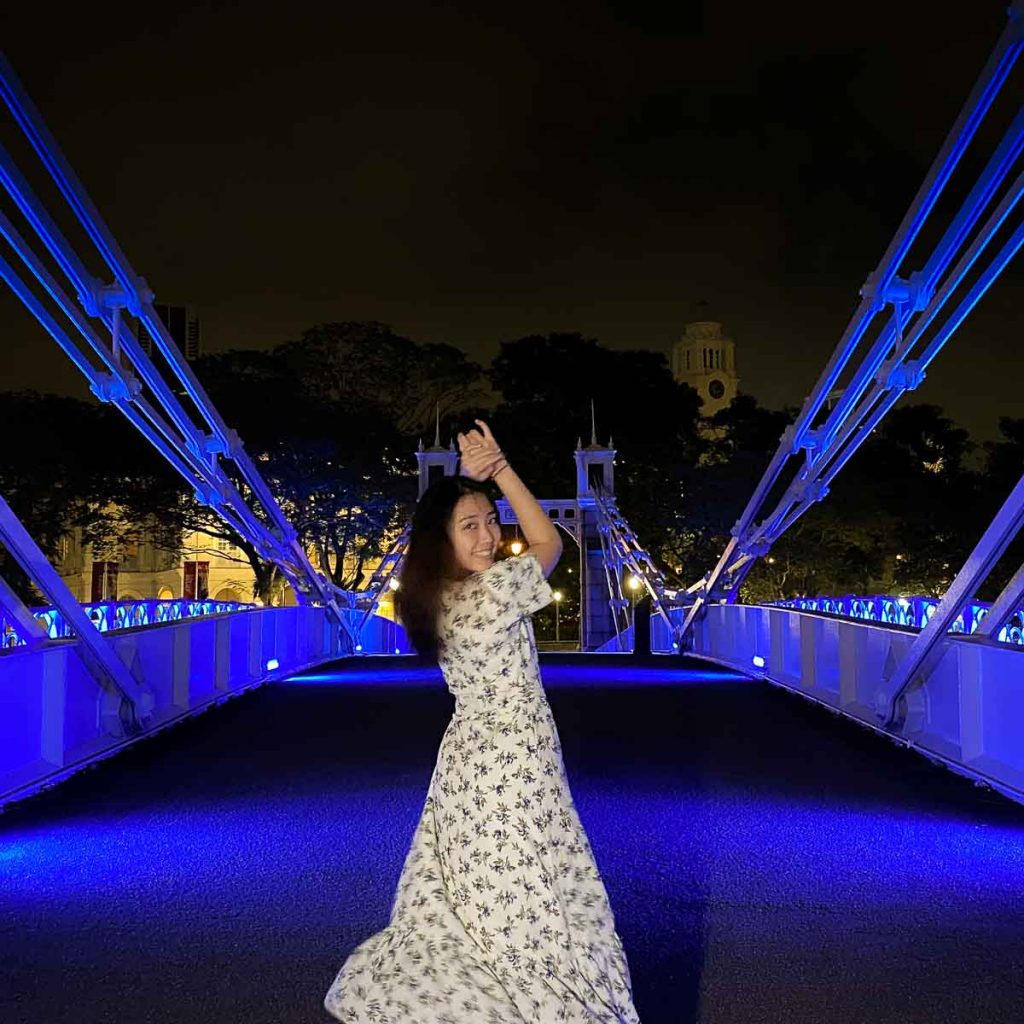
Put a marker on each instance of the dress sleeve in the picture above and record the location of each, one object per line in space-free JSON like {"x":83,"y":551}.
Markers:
{"x":518,"y":587}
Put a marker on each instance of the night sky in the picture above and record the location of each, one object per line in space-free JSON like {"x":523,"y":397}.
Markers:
{"x":471,"y":173}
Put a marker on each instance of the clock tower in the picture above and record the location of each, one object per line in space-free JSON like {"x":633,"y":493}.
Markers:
{"x":706,"y":360}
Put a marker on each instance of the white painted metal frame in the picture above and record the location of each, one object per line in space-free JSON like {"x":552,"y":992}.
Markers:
{"x":53,"y":714}
{"x":969,"y":715}
{"x":907,"y":308}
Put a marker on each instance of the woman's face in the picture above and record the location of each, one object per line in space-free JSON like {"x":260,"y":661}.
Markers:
{"x":474,"y":532}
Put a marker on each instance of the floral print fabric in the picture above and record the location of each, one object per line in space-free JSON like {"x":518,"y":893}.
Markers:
{"x":500,"y":916}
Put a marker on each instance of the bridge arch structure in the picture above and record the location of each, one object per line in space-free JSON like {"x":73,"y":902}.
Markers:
{"x":79,"y":682}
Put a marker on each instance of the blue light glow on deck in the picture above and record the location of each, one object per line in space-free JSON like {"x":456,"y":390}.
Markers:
{"x":264,"y":840}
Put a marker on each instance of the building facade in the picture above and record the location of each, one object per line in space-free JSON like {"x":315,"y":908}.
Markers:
{"x":705,"y":359}
{"x":208,"y":567}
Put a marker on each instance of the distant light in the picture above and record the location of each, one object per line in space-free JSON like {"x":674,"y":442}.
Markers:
{"x":675,"y":645}
{"x":633,"y":582}
{"x":272,"y":664}
{"x":558,"y":595}
{"x":398,"y":650}
{"x":516,"y":547}
{"x":393,"y":583}
{"x":758,"y":661}
{"x":359,"y":647}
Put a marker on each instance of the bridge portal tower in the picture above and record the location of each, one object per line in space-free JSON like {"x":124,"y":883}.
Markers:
{"x":436,"y":460}
{"x":595,"y":475}
{"x":578,"y":516}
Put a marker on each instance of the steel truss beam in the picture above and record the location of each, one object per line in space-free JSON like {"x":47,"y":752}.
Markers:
{"x":132,"y":702}
{"x":913,"y":671}
{"x":900,"y":309}
{"x":617,"y":602}
{"x":1003,"y":607}
{"x":625,"y":549}
{"x":368,"y":599}
{"x":26,"y":626}
{"x":194,"y":439}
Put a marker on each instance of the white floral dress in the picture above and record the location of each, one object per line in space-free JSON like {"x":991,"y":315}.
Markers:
{"x":500,"y":916}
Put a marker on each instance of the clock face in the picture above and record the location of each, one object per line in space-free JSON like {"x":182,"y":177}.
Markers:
{"x":716,"y":388}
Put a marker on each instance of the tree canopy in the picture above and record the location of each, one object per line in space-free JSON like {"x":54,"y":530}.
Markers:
{"x":332,"y":420}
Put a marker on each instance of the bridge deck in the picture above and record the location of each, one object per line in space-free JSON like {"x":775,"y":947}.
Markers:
{"x":765,"y":860}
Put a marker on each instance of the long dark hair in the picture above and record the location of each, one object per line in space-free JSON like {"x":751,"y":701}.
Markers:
{"x":430,"y":561}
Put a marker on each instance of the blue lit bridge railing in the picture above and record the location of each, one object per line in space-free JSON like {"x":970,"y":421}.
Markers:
{"x":111,"y":615}
{"x":912,"y":612}
{"x":55,"y":720}
{"x":377,"y":634}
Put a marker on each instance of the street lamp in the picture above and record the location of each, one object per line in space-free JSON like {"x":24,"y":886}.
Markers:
{"x":558,"y":601}
{"x":516,"y":547}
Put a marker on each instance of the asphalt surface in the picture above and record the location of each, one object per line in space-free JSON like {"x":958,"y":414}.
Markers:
{"x":766,"y":861}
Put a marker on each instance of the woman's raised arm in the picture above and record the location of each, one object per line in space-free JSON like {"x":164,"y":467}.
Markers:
{"x":540,"y":533}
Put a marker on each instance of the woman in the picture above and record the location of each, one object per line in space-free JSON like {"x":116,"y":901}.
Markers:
{"x":500,"y":916}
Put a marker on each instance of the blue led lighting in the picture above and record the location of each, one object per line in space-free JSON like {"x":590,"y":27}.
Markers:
{"x":913,"y":612}
{"x":747,"y":817}
{"x":113,"y":615}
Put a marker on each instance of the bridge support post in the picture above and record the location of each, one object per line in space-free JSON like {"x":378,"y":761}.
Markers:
{"x":595,"y":473}
{"x":642,"y":627}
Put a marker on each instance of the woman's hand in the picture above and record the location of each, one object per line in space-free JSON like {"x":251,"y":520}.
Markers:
{"x":480,"y":455}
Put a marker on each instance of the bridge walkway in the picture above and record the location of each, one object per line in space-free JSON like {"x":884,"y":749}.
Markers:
{"x":766,"y":860}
